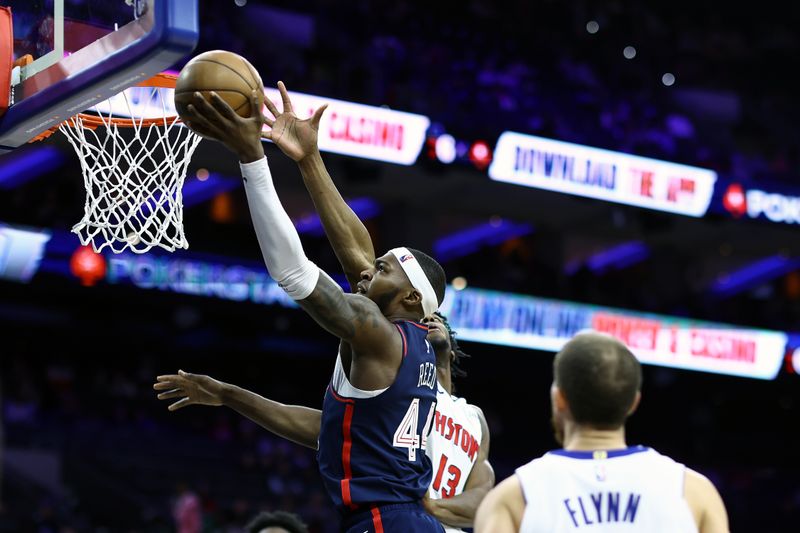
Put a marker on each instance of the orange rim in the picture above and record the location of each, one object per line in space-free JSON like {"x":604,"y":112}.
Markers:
{"x":94,"y":121}
{"x":162,"y":79}
{"x":91,"y":122}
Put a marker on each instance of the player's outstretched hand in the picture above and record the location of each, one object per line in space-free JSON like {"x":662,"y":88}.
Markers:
{"x":192,"y":389}
{"x":296,"y":138}
{"x":218,"y":121}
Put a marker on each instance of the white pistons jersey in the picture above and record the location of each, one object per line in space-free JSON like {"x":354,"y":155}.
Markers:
{"x":634,"y":489}
{"x":453,"y":446}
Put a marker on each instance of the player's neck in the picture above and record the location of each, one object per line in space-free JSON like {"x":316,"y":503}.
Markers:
{"x":396,"y":315}
{"x":395,"y":311}
{"x":444,"y":376}
{"x":582,"y":438}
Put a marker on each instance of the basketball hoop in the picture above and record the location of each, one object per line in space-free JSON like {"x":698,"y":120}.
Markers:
{"x":133,"y":167}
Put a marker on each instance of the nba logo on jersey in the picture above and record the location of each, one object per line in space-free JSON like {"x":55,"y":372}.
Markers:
{"x":600,"y":472}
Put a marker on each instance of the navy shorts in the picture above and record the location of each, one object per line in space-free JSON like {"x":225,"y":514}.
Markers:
{"x":392,"y":518}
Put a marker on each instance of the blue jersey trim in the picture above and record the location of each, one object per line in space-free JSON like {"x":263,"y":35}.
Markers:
{"x":420,"y":326}
{"x":608,"y":454}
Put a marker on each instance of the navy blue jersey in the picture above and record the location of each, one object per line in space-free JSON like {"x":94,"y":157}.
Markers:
{"x":392,"y":518}
{"x":372,"y":450}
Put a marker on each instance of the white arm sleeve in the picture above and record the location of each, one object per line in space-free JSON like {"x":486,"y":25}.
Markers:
{"x":280,"y":244}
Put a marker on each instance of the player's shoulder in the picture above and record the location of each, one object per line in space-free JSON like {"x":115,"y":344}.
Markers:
{"x":705,"y":502}
{"x":654,"y":455}
{"x":361,"y":302}
{"x":469,"y":409}
{"x":502,"y":508}
{"x":475,"y":409}
{"x":696,"y":484}
{"x":366,"y":313}
{"x":478,"y":413}
{"x":533,"y":468}
{"x":460,"y":400}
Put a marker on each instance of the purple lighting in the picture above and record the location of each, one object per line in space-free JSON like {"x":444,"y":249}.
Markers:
{"x":20,"y":168}
{"x":365,"y":208}
{"x":753,"y":274}
{"x":470,"y":240}
{"x":194,"y":192}
{"x":617,"y":257}
{"x":197,"y":191}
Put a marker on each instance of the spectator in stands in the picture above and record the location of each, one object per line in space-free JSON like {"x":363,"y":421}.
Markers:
{"x":187,"y":512}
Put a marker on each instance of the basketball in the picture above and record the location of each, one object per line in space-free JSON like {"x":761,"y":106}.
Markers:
{"x":230,"y":75}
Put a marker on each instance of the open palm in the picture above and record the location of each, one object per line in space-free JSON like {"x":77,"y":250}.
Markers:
{"x":192,"y":389}
{"x":296,"y":138}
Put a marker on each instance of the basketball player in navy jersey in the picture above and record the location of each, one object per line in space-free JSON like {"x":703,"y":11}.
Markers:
{"x":597,"y":482}
{"x":453,"y":500}
{"x":379,"y":407}
{"x":462,"y":480}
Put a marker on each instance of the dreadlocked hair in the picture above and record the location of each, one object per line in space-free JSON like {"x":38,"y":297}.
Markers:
{"x":455,"y":364}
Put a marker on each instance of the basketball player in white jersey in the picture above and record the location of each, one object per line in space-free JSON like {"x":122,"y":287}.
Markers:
{"x":597,"y":482}
{"x":459,"y":441}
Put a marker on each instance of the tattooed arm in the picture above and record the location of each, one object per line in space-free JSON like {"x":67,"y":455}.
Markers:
{"x":373,"y":342}
{"x":355,"y":319}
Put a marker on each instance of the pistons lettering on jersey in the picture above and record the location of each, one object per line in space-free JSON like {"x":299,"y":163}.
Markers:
{"x":456,"y":433}
{"x":427,"y":375}
{"x":602,"y":507}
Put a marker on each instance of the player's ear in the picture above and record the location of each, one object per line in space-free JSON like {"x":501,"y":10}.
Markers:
{"x":413,"y":297}
{"x":635,"y":403}
{"x":558,"y":399}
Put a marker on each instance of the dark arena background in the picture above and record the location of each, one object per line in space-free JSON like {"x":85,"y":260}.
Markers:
{"x":499,"y":136}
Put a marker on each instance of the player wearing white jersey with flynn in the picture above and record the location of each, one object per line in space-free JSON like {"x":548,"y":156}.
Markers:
{"x":459,"y":440}
{"x":597,"y":482}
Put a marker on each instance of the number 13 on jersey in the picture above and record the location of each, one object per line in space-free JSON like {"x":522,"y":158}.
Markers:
{"x":454,"y":476}
{"x":406,"y":435}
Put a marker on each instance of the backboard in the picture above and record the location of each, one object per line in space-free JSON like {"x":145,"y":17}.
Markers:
{"x":85,"y":51}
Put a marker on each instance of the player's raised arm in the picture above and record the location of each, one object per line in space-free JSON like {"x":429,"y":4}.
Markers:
{"x":347,"y":234}
{"x":293,"y":422}
{"x":352,"y":318}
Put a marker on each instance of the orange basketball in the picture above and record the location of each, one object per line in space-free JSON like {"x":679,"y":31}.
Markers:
{"x":230,"y":75}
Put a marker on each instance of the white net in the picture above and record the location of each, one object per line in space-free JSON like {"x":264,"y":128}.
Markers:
{"x":133,"y":174}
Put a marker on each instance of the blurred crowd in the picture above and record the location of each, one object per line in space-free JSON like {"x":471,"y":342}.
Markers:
{"x":124,"y":463}
{"x":480,"y":68}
